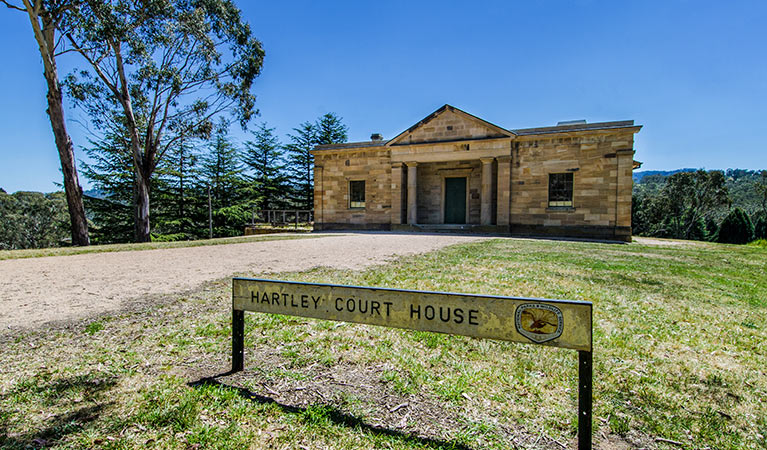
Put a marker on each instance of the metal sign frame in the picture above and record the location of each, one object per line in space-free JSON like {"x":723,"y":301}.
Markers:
{"x":548,"y":322}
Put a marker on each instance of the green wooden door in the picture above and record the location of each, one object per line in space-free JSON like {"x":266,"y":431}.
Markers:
{"x":455,"y":200}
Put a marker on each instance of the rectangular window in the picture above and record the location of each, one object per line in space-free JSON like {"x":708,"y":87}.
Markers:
{"x":356,"y":194}
{"x":560,"y":189}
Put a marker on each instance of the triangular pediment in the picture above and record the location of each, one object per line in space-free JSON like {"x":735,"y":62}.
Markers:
{"x":449,"y":123}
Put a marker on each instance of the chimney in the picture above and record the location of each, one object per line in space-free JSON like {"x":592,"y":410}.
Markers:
{"x":376,"y":137}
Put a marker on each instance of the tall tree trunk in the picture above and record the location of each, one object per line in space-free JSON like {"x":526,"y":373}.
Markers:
{"x":44,"y":35}
{"x":72,"y":189}
{"x":141,"y":229}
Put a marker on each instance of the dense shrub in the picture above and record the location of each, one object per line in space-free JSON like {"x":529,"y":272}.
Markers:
{"x":736,"y":228}
{"x":230,"y":220}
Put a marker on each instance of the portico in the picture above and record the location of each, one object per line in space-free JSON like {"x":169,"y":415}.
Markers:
{"x":450,"y":179}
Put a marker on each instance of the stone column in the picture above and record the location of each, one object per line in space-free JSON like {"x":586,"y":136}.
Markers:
{"x":504,"y":190}
{"x":396,"y":193}
{"x":486,"y":196}
{"x":412,"y":186}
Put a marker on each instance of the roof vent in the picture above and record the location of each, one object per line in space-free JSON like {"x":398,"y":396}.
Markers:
{"x":376,"y":137}
{"x":571,"y":122}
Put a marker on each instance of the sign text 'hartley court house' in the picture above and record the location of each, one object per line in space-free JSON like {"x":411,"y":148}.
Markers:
{"x":453,"y":170}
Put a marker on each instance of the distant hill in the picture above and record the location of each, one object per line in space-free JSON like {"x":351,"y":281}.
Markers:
{"x":638,"y":175}
{"x":95,"y":193}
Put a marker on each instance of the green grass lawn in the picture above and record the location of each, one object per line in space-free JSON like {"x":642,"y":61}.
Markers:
{"x":63,"y":251}
{"x":680,"y":354}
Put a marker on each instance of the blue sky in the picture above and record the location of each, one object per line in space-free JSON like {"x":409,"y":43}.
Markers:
{"x":694,"y":73}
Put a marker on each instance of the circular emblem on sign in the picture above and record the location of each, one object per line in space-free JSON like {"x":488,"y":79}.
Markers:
{"x":538,"y":322}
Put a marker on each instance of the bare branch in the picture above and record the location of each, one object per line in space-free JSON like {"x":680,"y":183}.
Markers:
{"x":96,"y":66}
{"x":18,"y":8}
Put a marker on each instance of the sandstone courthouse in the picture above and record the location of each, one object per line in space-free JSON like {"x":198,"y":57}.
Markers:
{"x":453,"y":170}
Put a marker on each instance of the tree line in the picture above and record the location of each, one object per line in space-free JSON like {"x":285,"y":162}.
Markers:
{"x":260,"y":173}
{"x":195,"y":181}
{"x":723,"y":206}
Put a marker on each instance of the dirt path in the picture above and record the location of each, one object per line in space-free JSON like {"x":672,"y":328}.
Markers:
{"x":36,"y":291}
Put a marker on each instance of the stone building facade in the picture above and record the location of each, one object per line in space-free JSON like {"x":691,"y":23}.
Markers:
{"x":453,"y":170}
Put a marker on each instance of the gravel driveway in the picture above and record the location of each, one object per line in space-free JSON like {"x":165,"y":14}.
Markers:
{"x":36,"y":291}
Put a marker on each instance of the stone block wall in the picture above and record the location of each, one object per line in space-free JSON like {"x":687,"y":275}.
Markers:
{"x":596,"y":161}
{"x":334,"y":171}
{"x":448,"y":126}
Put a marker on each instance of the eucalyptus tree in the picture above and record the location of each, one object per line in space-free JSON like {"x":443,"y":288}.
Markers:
{"x":46,"y":18}
{"x":170,"y":67}
{"x":686,"y":200}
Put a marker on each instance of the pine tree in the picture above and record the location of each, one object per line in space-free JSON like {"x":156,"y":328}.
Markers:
{"x":327,"y":129}
{"x":263,"y":156}
{"x":301,"y":164}
{"x":181,"y":209}
{"x":111,"y":174}
{"x":221,"y":170}
{"x":736,"y":228}
{"x":331,"y":129}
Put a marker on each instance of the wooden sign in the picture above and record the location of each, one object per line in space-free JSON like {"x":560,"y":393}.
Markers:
{"x":556,"y":323}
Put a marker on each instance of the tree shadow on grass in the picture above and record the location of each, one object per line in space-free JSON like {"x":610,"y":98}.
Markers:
{"x":335,"y":415}
{"x":50,"y":394}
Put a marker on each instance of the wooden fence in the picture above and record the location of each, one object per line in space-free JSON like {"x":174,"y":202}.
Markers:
{"x":282,"y":216}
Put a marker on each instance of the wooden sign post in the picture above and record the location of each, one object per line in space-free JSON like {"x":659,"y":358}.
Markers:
{"x":555,"y":323}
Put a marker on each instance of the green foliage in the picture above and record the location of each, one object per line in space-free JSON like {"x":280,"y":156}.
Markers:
{"x":229,"y":220}
{"x":180,"y":204}
{"x":263,"y":156}
{"x":161,"y":72}
{"x":760,"y":225}
{"x":109,"y":167}
{"x":222,"y":171}
{"x":760,"y":186}
{"x":680,"y":206}
{"x":32,"y":220}
{"x":330,"y":129}
{"x":692,"y":204}
{"x":301,"y":163}
{"x":240,"y":180}
{"x":327,"y":129}
{"x":736,"y":228}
